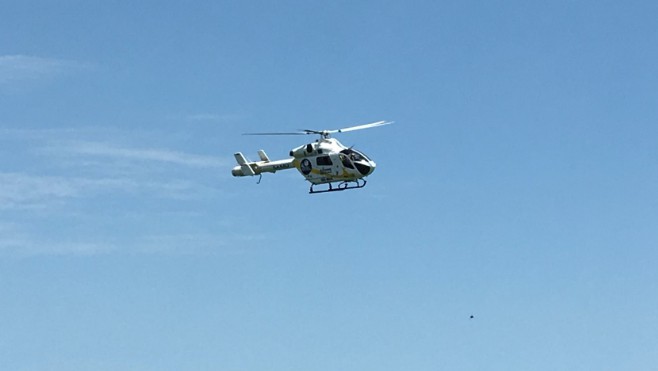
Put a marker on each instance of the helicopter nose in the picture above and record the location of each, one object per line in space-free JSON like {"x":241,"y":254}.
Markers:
{"x":365,"y":167}
{"x":372,"y":167}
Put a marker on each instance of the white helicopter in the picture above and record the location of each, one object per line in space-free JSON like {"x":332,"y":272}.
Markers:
{"x":325,"y":161}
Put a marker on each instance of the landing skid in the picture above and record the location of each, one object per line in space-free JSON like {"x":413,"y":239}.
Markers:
{"x":360,"y":183}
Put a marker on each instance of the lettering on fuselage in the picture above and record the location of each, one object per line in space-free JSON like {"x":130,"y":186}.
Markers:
{"x":282,"y":166}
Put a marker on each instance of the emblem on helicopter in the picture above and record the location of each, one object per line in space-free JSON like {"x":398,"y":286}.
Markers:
{"x":305,"y":166}
{"x":340,"y":167}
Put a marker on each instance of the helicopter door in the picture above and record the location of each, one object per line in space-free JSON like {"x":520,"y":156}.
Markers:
{"x":324,"y":164}
{"x":345,"y":160}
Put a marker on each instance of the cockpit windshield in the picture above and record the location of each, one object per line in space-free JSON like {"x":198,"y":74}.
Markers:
{"x":354,"y":155}
{"x":345,"y":159}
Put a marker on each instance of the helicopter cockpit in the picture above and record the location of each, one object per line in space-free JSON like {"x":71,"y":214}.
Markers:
{"x":355,"y":155}
{"x":352,"y":158}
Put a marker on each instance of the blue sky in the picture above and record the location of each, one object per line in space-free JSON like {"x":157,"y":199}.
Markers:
{"x":518,"y":185}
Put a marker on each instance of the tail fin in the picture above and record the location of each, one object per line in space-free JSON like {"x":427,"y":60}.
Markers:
{"x":244,"y":164}
{"x":246,"y":168}
{"x":263,"y":156}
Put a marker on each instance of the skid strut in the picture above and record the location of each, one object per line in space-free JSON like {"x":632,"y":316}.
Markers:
{"x":341,"y":186}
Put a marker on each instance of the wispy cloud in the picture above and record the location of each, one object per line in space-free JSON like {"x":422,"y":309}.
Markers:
{"x":70,"y":190}
{"x":143,"y":154}
{"x":183,"y":243}
{"x":64,"y":169}
{"x":28,"y":247}
{"x":24,"y":191}
{"x":17,"y":241}
{"x":15,"y":68}
{"x":215,"y":117}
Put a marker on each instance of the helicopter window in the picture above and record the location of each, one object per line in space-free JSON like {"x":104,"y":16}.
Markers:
{"x":354,"y":155}
{"x":323,"y":161}
{"x":346,"y":161}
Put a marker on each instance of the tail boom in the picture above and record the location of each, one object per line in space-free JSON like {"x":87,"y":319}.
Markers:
{"x":246,"y":168}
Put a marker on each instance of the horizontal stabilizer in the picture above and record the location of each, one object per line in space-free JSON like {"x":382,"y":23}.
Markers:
{"x":246,"y":168}
{"x":239,"y":157}
{"x":244,"y":164}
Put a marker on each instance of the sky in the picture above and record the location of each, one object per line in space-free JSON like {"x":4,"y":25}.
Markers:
{"x":518,"y":185}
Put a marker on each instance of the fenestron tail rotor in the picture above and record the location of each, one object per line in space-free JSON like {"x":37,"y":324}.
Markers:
{"x":327,"y":133}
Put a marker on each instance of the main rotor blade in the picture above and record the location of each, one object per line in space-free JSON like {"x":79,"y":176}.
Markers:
{"x":325,"y":133}
{"x":360,"y":127}
{"x":295,"y":133}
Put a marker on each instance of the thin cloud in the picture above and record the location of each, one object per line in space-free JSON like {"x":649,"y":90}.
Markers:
{"x":21,"y":241}
{"x":54,"y":146}
{"x":207,"y":117}
{"x":145,"y":154}
{"x":78,"y":185}
{"x":15,"y":68}
{"x":24,"y":246}
{"x":94,"y":168}
{"x":212,"y":117}
{"x":25,"y":191}
{"x":27,"y":247}
{"x":182,"y":244}
{"x":67,"y":191}
{"x":16,"y":240}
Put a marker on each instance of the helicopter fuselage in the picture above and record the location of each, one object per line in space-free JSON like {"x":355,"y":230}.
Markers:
{"x":324,"y":161}
{"x":327,"y":160}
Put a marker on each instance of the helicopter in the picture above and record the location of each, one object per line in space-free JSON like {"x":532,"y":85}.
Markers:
{"x":325,"y":161}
